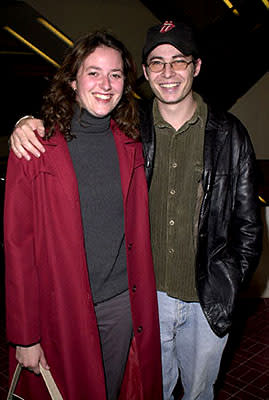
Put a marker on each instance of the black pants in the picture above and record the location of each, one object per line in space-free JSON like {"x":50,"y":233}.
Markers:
{"x":115,"y":329}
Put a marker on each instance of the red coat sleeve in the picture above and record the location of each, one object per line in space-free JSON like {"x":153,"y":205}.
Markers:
{"x":22,"y":292}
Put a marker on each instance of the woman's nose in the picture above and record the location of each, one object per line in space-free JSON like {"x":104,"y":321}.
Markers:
{"x":105,"y":83}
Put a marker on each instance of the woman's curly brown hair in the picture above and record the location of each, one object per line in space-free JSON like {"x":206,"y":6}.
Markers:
{"x":58,"y":106}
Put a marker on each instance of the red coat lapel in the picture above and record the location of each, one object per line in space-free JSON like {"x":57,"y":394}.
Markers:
{"x":61,"y":161}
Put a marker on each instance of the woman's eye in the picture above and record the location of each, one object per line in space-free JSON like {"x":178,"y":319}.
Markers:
{"x":116,"y":76}
{"x":92,"y":73}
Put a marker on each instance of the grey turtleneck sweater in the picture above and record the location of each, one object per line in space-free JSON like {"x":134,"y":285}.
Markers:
{"x":96,"y":164}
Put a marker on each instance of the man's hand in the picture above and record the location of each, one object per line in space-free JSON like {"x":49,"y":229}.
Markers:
{"x":30,"y":357}
{"x":23,"y":139}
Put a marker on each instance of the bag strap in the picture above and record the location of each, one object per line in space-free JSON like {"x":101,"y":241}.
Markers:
{"x":48,"y":379}
{"x":14,"y":381}
{"x":50,"y":383}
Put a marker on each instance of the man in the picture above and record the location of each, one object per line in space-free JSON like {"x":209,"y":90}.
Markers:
{"x":206,"y":229}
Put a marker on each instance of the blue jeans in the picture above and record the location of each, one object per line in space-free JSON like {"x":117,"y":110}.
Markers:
{"x":189,"y":345}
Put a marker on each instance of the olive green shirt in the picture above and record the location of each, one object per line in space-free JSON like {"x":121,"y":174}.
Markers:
{"x":173,"y":197}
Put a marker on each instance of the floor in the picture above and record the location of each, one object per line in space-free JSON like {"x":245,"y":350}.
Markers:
{"x":245,"y":367}
{"x":244,"y":373}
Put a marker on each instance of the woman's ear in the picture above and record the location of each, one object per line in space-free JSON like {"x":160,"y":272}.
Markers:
{"x":74,"y":85}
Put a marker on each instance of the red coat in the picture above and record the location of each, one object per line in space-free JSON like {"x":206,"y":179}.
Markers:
{"x":47,"y":288}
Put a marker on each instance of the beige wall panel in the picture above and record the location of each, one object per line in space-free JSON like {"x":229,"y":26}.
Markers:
{"x":253,"y":110}
{"x":128,"y":19}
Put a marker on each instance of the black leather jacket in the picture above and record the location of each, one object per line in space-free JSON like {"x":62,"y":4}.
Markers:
{"x":229,"y":230}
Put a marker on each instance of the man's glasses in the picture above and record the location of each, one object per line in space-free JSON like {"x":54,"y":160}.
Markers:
{"x":177,"y":65}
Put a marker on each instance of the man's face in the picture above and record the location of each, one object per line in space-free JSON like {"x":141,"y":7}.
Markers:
{"x":168,"y":85}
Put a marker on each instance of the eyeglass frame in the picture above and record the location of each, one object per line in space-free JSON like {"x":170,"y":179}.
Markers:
{"x":171,"y":63}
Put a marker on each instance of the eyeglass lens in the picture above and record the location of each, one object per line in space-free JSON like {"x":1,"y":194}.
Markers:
{"x":177,"y":65}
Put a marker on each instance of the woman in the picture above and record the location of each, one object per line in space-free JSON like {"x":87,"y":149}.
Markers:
{"x":80,"y":284}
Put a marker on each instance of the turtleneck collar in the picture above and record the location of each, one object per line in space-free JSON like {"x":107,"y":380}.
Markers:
{"x":85,"y":123}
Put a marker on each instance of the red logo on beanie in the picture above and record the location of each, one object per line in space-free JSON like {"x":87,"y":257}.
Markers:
{"x":167,"y":26}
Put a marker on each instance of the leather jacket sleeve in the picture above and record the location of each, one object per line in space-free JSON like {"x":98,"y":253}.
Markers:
{"x":230,"y":229}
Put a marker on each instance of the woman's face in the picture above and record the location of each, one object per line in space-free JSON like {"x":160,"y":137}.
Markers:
{"x":100,"y":81}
